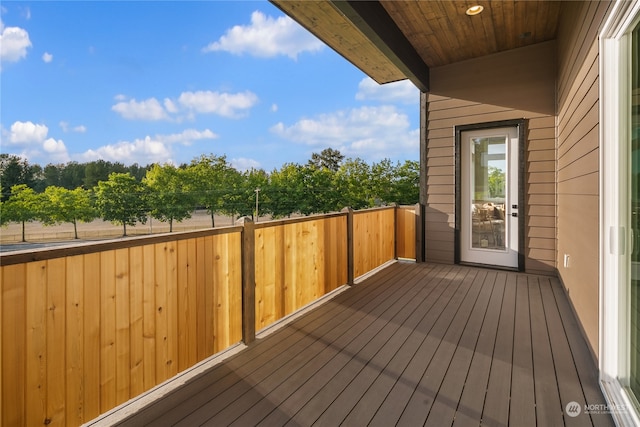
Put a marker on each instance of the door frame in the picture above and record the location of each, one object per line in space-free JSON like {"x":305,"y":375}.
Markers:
{"x":520,"y":125}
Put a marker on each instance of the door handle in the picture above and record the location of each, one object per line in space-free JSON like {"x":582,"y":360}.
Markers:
{"x":514,"y":214}
{"x":514,"y":206}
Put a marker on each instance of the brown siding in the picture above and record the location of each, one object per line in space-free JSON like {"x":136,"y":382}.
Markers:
{"x":578,"y":158}
{"x":511,"y":85}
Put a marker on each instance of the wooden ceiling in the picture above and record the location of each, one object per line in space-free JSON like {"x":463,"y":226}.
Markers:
{"x":393,"y":40}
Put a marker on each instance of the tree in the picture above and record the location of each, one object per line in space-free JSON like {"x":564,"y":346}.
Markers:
{"x":246,"y":193}
{"x":52,"y":174}
{"x":14,"y":171}
{"x":100,"y":170}
{"x":122,"y":200}
{"x":319,"y":191}
{"x":328,"y":158}
{"x":354,"y":182}
{"x":72,"y":175}
{"x":285,"y":189}
{"x":67,"y":206}
{"x":213,"y":181}
{"x":496,"y":182}
{"x":23,"y":205}
{"x":406,"y":183}
{"x":169,"y":197}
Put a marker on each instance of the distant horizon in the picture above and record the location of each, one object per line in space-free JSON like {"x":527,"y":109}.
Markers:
{"x":167,"y":82}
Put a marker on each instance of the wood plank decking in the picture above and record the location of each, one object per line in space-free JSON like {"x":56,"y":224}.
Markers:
{"x":415,"y":344}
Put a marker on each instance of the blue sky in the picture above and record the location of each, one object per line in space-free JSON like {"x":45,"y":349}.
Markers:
{"x":168,"y":81}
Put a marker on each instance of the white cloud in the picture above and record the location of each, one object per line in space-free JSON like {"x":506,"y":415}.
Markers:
{"x":143,"y":151}
{"x":170,"y":106}
{"x":243,"y":164}
{"x":14,"y":42}
{"x":403,"y":91}
{"x":32,"y":140}
{"x":267,"y":37}
{"x":187,"y":136}
{"x":47,"y":57}
{"x":149,"y":109}
{"x":56,"y":151}
{"x":65,"y":127}
{"x":368,"y":132}
{"x":147,"y":150}
{"x":27,"y":133}
{"x":230,"y":105}
{"x":274,"y":108}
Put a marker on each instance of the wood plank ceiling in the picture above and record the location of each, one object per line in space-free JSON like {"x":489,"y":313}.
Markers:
{"x":393,"y":40}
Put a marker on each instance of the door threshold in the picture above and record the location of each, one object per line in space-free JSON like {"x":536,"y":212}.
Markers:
{"x":490,"y":266}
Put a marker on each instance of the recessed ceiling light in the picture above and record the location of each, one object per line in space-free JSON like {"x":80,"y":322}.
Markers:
{"x":474,"y":10}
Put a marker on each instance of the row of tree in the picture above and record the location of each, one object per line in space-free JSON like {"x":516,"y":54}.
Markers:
{"x":170,"y":194}
{"x":16,"y":170}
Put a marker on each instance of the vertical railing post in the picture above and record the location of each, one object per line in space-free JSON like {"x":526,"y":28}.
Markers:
{"x":350,"y":253}
{"x":248,"y":281}
{"x":395,"y":230}
{"x":420,"y":233}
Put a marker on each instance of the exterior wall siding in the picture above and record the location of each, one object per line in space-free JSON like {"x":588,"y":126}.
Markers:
{"x":511,"y":85}
{"x":578,"y":157}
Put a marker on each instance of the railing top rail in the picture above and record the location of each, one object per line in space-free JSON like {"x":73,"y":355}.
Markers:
{"x":286,"y":221}
{"x":379,"y":208}
{"x":72,"y":249}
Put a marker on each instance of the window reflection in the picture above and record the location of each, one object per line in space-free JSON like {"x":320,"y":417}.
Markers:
{"x":488,"y":175}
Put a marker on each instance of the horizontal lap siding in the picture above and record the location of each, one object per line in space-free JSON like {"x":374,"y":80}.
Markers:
{"x":450,"y":104}
{"x":578,"y":158}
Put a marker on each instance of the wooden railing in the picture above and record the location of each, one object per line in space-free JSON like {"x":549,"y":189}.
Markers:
{"x":86,"y":328}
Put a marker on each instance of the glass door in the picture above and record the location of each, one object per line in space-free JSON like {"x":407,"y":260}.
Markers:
{"x":489,"y":199}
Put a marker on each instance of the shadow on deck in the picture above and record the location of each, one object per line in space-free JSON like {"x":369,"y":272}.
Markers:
{"x":414,"y":344}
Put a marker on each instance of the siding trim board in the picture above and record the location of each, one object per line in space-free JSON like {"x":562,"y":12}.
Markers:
{"x":521,"y":125}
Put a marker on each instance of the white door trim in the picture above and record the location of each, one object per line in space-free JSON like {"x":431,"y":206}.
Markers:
{"x":520,"y":125}
{"x":614,"y":297}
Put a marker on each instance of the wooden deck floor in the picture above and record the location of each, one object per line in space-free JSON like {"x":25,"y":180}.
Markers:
{"x":415,"y":344}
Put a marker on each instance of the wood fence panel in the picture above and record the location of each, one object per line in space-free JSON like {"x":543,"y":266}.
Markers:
{"x":209,"y":296}
{"x":74,"y":350}
{"x":201,"y":301}
{"x":56,"y":392}
{"x":221,"y":299}
{"x":123,"y":323}
{"x":171,"y":365}
{"x":84,"y":331}
{"x":108,"y":368}
{"x":149,"y":316}
{"x":184,"y":325}
{"x":406,"y":232}
{"x":335,"y":243}
{"x":36,"y":342}
{"x":374,"y":239}
{"x":228,"y":280}
{"x":92,"y":351}
{"x":269,"y":255}
{"x":162,"y":326}
{"x":234,"y":283}
{"x":136,"y":319}
{"x":13,"y":347}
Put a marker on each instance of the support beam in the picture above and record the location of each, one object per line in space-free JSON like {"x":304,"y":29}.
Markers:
{"x":371,"y":18}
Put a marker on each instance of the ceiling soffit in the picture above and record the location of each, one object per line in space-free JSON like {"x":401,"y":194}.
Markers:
{"x":392,"y":40}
